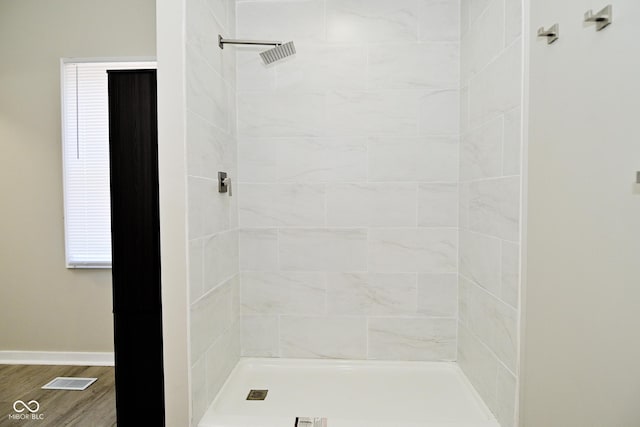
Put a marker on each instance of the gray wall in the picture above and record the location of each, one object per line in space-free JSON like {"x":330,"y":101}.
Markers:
{"x":45,"y":306}
{"x":581,"y":349}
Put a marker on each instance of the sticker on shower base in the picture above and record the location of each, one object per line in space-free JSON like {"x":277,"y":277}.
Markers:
{"x":310,"y":422}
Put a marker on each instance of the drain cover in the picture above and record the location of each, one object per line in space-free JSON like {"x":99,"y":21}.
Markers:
{"x":257,"y":394}
{"x":310,"y":422}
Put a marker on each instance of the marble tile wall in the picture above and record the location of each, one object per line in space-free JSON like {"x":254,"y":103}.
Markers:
{"x":348,"y":179}
{"x":214,"y":280}
{"x":489,"y":211}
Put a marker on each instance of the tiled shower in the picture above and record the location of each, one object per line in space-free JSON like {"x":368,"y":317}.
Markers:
{"x":376,"y":180}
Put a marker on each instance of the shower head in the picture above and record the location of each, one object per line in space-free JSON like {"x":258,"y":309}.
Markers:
{"x":280,"y":51}
{"x":277,"y":53}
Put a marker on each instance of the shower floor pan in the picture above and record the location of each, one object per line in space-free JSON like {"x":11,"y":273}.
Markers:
{"x":348,"y":394}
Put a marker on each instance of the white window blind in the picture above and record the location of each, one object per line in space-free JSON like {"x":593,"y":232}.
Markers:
{"x":85,"y":140}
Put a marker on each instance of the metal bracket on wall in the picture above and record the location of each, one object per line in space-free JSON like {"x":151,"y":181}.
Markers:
{"x":552,"y":34}
{"x":602,"y":18}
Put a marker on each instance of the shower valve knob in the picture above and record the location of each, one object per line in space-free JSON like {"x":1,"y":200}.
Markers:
{"x":224,"y":183}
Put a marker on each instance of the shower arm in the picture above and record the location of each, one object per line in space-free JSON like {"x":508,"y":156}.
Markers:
{"x":223,"y":41}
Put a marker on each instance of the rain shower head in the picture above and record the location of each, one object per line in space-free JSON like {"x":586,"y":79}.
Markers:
{"x":277,"y":53}
{"x":280,"y":51}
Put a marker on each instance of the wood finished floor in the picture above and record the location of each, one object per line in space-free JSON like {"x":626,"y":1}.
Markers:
{"x":93,"y":407}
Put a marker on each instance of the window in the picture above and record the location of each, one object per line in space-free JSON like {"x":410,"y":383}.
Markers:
{"x":85,"y":148}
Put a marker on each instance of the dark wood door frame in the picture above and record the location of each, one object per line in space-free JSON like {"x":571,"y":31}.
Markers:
{"x":135,"y":226}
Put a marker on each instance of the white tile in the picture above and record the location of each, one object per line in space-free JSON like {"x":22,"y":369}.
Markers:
{"x":258,"y":160}
{"x":207,"y":94}
{"x":510,"y":289}
{"x":464,"y":17}
{"x":260,"y":336}
{"x":479,"y":365}
{"x":323,"y":337}
{"x":202,"y":29}
{"x":494,"y":207}
{"x":219,"y":10}
{"x":210,"y":317}
{"x":439,"y":20}
{"x":221,"y":258}
{"x":204,"y":22}
{"x":463,"y":205}
{"x":355,"y":113}
{"x":347,"y":67}
{"x":374,"y":205}
{"x":414,"y":66}
{"x":475,"y":310}
{"x":491,"y":321}
{"x":322,"y":159}
{"x":196,"y":193}
{"x":465,"y":300}
{"x":283,"y":293}
{"x":497,"y":88}
{"x":329,"y":249}
{"x":306,"y":70}
{"x":234,"y":285}
{"x":233,"y":111}
{"x":252,"y":74}
{"x":484,"y":40}
{"x":324,"y":67}
{"x":440,"y":112}
{"x":372,"y":20}
{"x":503,"y":322}
{"x":428,"y":159}
{"x":428,"y":250}
{"x":438,"y":295}
{"x":199,"y":401}
{"x":301,"y":21}
{"x":258,"y":249}
{"x":231,"y":17}
{"x":513,"y":20}
{"x":480,"y":260}
{"x":512,"y":142}
{"x":261,"y":205}
{"x":481,"y":151}
{"x":506,"y":392}
{"x":412,"y":339}
{"x":209,"y":149}
{"x":196,"y":281}
{"x":222,"y":357}
{"x":209,"y":211}
{"x":371,"y":294}
{"x":464,"y":108}
{"x":438,"y":205}
{"x":476,"y":8}
{"x":289,"y":114}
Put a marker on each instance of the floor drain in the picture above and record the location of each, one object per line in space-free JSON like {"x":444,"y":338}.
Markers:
{"x":257,"y":394}
{"x":310,"y":422}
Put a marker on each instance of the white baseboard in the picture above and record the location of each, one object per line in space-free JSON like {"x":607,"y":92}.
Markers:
{"x":56,"y":358}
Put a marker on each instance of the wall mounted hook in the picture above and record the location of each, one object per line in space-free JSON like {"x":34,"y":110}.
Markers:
{"x":602,"y":18}
{"x":552,"y":34}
